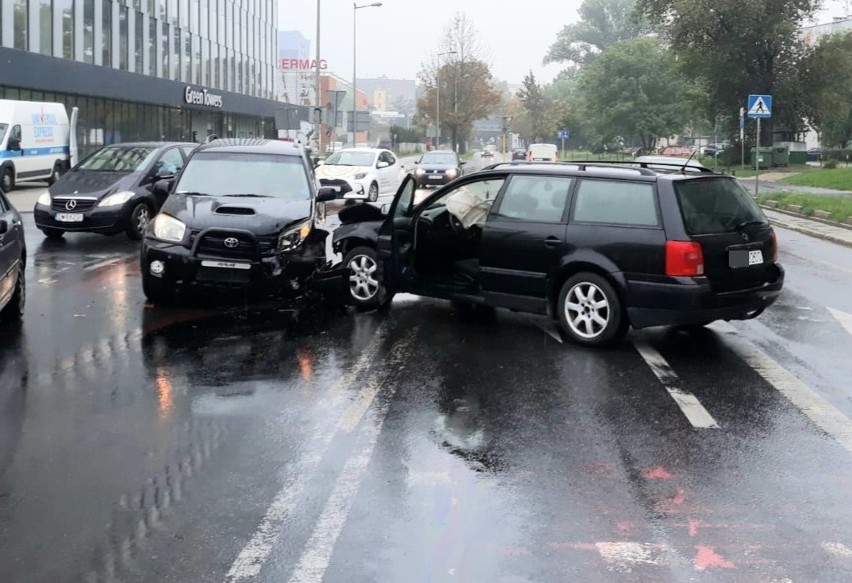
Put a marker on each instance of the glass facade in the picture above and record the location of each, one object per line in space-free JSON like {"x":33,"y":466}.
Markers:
{"x":223,"y":44}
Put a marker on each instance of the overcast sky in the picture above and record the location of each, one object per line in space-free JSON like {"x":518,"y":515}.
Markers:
{"x":395,"y":39}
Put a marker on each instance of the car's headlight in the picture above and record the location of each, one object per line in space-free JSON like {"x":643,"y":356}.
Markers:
{"x":452,"y":173}
{"x":419,"y":172}
{"x":169,"y":228}
{"x":361,"y":176}
{"x":294,"y":236}
{"x":44,"y":199}
{"x":117,"y":199}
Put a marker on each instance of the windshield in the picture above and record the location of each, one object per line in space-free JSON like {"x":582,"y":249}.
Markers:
{"x":350,"y":158}
{"x":230,"y":174}
{"x":716,"y":206}
{"x":120,"y":159}
{"x":433,"y":158}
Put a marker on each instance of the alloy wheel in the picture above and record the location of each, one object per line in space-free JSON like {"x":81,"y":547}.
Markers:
{"x":362,"y":281}
{"x":587,"y":310}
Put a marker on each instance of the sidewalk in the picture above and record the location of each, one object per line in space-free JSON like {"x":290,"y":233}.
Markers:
{"x":839,"y":235}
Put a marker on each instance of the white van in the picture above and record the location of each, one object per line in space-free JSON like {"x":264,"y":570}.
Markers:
{"x":33,"y":142}
{"x":542,"y":153}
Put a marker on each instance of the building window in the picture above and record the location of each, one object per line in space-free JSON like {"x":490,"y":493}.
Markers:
{"x":139,"y":43}
{"x":183,"y":5}
{"x":89,"y":31}
{"x":20,"y":22}
{"x":165,"y":54}
{"x":66,"y":8}
{"x":206,"y":76}
{"x":194,"y":17}
{"x":187,"y":57}
{"x":106,"y":34}
{"x":196,"y":59}
{"x":152,"y":46}
{"x":177,"y":48}
{"x":123,"y":39}
{"x":45,"y":27}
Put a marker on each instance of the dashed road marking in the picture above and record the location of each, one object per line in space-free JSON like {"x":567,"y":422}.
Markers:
{"x":688,"y":403}
{"x":842,"y":317}
{"x":825,"y":415}
{"x":837,"y":549}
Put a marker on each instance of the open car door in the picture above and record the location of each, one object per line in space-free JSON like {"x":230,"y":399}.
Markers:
{"x":395,"y":243}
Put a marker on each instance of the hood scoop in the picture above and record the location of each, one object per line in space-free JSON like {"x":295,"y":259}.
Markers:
{"x":234,"y":210}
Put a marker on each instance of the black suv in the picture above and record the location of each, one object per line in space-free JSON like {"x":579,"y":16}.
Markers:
{"x":600,"y":247}
{"x":242,"y":213}
{"x":13,"y":259}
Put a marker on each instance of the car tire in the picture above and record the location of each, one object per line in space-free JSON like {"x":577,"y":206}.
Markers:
{"x":53,"y":234}
{"x":373,"y":194}
{"x":365,"y":291}
{"x":140,"y":216}
{"x":157,"y":291}
{"x":14,"y":310}
{"x":7,"y":180}
{"x":590,"y":310}
{"x":55,"y":174}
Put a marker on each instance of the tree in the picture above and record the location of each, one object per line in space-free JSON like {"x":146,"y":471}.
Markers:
{"x":634,"y":91}
{"x":467,"y":89}
{"x":829,"y":90}
{"x":740,"y":47}
{"x":539,"y":109}
{"x":602,"y":24}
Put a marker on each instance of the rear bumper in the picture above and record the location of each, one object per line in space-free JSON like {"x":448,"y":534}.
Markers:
{"x":693,"y":301}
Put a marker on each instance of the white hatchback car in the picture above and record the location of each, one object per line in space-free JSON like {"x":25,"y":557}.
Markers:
{"x":371,"y":172}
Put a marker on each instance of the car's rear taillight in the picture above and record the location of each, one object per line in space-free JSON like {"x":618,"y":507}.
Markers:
{"x":684,"y":259}
{"x":773,"y":253}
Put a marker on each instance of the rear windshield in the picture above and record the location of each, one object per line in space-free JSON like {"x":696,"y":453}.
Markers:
{"x":247,"y":174}
{"x":716,"y":205}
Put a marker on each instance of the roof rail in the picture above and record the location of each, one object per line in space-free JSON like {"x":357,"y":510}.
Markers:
{"x":678,"y":165}
{"x":644,"y":170}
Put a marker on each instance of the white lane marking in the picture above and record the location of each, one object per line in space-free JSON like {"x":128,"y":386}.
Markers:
{"x":107,"y":262}
{"x":248,"y":563}
{"x":688,"y":403}
{"x":319,"y":548}
{"x":842,"y":317}
{"x":826,"y":416}
{"x":625,"y":554}
{"x":838,"y":550}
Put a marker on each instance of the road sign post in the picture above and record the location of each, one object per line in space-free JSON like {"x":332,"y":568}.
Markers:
{"x":759,"y":107}
{"x":742,"y":138}
{"x":563,"y":135}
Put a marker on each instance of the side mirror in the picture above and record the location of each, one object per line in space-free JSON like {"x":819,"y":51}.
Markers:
{"x":4,"y":227}
{"x":162,"y":186}
{"x":326,"y":193}
{"x":382,"y":165}
{"x":386,"y":209}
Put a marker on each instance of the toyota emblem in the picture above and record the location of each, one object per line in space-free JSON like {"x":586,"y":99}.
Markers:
{"x":745,"y":237}
{"x":231,"y":242}
{"x":71,"y":205}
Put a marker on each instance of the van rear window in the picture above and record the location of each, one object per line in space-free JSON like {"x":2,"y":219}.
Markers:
{"x":716,"y":205}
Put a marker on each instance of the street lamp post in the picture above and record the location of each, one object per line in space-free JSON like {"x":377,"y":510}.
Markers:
{"x":438,"y":98}
{"x":318,"y":121}
{"x":355,"y":9}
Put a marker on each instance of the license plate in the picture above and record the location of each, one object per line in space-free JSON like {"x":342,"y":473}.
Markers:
{"x":226,"y":264}
{"x":745,"y":258}
{"x":69,"y":217}
{"x":435,"y":177}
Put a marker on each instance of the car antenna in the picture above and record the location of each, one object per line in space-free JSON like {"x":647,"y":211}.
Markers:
{"x":688,"y":160}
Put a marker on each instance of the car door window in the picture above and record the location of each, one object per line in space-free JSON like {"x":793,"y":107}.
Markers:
{"x":470,"y":202}
{"x":616,"y":203}
{"x":535,"y":198}
{"x":390,"y":158}
{"x":403,"y":202}
{"x":170,"y":163}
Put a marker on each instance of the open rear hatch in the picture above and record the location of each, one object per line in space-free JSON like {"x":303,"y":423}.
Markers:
{"x":737,"y":240}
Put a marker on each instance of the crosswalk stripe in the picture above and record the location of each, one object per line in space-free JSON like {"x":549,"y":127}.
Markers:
{"x":842,"y":317}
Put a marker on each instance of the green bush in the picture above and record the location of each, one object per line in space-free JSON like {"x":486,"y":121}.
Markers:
{"x":831,"y":164}
{"x":839,"y":154}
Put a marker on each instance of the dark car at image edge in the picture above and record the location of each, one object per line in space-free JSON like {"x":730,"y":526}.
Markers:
{"x":601,"y":247}
{"x":111,"y":191}
{"x":242,"y":214}
{"x":13,"y":260}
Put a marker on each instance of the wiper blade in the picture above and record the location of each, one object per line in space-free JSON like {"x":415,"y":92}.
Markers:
{"x":191,"y":193}
{"x":749,"y":223}
{"x":248,"y":195}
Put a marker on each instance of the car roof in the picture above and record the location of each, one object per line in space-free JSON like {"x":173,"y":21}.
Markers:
{"x":253,"y":145}
{"x":150,"y":144}
{"x":439,"y":152}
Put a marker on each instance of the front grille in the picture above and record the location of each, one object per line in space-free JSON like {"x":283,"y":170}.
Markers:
{"x":213,"y":245}
{"x":80,"y":205}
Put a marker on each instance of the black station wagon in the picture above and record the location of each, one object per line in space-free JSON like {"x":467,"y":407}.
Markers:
{"x":600,"y":247}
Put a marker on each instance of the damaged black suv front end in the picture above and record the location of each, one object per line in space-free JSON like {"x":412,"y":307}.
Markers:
{"x":243,"y":214}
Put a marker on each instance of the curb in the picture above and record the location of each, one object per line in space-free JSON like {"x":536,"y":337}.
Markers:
{"x":807,"y":217}
{"x":810,"y":232}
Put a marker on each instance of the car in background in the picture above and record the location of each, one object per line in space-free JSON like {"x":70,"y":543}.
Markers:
{"x":371,"y":172}
{"x":241,"y":215}
{"x":542,"y":153}
{"x":488,"y":151}
{"x":600,"y":247}
{"x":437,"y":168}
{"x":519,"y":153}
{"x":13,"y":260}
{"x":671,"y":164}
{"x":717,"y":148}
{"x":112,"y":191}
{"x":814,"y":155}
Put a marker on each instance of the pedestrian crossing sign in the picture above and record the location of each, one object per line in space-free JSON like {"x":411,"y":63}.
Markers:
{"x":760,"y":106}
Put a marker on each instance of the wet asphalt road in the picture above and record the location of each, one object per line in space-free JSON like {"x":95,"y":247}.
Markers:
{"x":419,"y":444}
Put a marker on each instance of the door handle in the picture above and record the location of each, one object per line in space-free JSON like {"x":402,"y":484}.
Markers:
{"x":552,"y":241}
